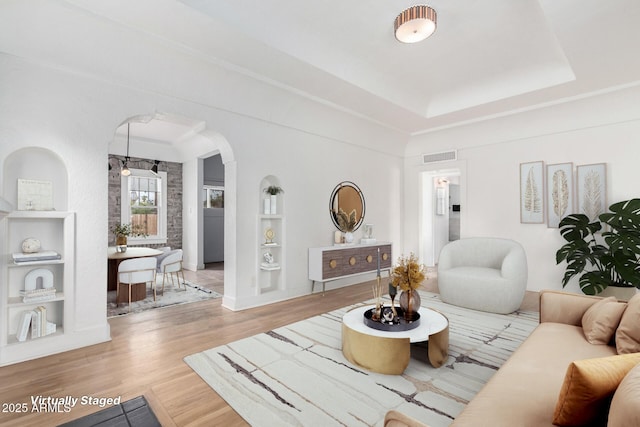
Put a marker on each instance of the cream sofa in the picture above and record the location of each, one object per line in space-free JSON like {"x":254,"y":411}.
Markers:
{"x":483,"y":273}
{"x":527,"y":388}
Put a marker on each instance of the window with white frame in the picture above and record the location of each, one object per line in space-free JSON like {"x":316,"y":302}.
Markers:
{"x":144,"y":205}
{"x":213,"y":196}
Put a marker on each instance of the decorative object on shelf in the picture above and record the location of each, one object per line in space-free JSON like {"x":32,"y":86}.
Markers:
{"x":44,"y":275}
{"x":35,"y":195}
{"x":269,"y":234}
{"x":367,"y":237}
{"x":269,"y":262}
{"x":122,"y":231}
{"x":408,"y":275}
{"x":273,"y":191}
{"x":346,"y":223}
{"x":348,"y":237}
{"x":616,"y":261}
{"x":42,"y":256}
{"x":30,"y":245}
{"x":415,"y":24}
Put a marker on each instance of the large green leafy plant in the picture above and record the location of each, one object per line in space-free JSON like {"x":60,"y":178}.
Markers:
{"x":609,"y":259}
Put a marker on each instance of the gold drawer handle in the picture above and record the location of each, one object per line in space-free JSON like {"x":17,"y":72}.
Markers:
{"x":333,"y":263}
{"x":385,"y":256}
{"x":369,"y":258}
{"x":352,"y":260}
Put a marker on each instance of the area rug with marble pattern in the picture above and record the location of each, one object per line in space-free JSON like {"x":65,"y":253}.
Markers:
{"x":187,"y":293}
{"x":296,"y":375}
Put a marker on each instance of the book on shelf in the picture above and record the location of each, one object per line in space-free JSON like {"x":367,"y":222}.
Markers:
{"x":40,"y":327}
{"x":37,"y":320}
{"x":270,"y":266}
{"x":19,"y":257}
{"x":23,"y":326}
{"x":36,"y":295}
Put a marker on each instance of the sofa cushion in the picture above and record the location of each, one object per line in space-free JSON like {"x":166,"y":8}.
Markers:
{"x":625,"y":411}
{"x":600,"y":321}
{"x":588,"y":385}
{"x":628,"y":333}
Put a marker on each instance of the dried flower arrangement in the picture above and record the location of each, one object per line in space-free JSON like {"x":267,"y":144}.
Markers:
{"x":346,"y":222}
{"x":408,"y":274}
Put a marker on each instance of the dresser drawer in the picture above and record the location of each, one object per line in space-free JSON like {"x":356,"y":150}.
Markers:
{"x":337,"y":263}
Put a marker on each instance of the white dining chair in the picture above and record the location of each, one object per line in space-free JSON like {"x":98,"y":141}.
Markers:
{"x":136,"y":270}
{"x":170,"y":265}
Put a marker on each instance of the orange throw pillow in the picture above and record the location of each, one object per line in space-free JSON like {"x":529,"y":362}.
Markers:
{"x":628,"y":333}
{"x":588,"y":385}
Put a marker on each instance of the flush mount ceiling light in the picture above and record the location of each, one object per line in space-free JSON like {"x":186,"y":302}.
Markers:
{"x":415,"y":24}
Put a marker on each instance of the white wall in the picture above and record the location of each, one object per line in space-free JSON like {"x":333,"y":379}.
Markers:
{"x":603,"y":128}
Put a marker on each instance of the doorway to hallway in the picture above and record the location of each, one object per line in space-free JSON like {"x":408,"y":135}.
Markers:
{"x":441,"y":209}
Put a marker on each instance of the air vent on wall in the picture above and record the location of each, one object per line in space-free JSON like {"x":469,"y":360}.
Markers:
{"x":444,"y":156}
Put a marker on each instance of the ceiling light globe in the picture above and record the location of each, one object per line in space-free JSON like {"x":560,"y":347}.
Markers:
{"x":125,"y":171}
{"x":415,"y":24}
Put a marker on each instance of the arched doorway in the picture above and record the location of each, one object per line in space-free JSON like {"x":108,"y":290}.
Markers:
{"x":195,"y":143}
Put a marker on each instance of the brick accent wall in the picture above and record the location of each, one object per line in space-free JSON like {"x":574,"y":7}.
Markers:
{"x":174,"y":196}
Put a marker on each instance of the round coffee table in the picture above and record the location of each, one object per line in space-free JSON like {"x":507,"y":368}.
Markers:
{"x":388,"y":352}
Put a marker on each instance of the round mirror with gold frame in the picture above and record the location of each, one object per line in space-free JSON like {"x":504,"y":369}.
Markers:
{"x":346,"y":206}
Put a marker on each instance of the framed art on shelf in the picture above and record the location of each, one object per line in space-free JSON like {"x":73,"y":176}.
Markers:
{"x":560,"y":201}
{"x":591,"y":190}
{"x":532,"y":192}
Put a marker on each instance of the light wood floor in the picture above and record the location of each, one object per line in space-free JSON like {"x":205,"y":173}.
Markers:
{"x":145,"y":356}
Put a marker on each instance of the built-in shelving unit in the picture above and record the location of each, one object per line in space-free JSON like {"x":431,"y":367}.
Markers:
{"x":56,"y":232}
{"x":271,"y":240}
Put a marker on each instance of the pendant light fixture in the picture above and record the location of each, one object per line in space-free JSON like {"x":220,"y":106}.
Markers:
{"x":125,"y":170}
{"x":154,"y":168}
{"x":415,"y":24}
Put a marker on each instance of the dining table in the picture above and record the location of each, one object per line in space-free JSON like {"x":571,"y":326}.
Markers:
{"x":114,"y":258}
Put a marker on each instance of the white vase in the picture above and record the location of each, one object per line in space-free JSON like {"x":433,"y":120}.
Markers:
{"x":274,"y":204}
{"x":348,"y":237}
{"x":267,"y":205}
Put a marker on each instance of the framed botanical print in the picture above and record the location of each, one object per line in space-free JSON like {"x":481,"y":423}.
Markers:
{"x":532,"y":192}
{"x":591,"y":189}
{"x":560,"y":195}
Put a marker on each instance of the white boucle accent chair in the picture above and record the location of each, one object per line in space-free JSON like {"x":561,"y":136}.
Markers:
{"x":483,"y":273}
